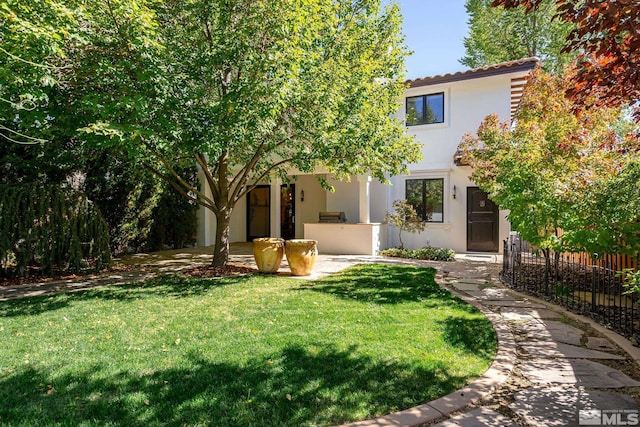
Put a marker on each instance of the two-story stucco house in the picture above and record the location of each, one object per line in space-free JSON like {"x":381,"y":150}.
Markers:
{"x":438,"y":111}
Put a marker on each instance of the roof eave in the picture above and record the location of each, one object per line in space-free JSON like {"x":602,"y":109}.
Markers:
{"x":514,"y":67}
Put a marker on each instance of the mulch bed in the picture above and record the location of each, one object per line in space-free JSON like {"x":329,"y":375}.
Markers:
{"x":205,"y":271}
{"x":229,"y":270}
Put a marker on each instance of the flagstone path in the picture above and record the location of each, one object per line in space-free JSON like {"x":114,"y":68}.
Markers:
{"x":563,"y":366}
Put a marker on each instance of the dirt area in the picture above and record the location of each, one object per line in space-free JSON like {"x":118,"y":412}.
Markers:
{"x":230,"y":270}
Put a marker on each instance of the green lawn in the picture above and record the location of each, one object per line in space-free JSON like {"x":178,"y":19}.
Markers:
{"x":252,"y":351}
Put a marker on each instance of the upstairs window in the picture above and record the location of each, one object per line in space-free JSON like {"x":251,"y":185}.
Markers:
{"x":425,"y":109}
{"x":427,"y":198}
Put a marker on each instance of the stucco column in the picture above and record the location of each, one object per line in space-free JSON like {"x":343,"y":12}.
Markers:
{"x":364,"y":199}
{"x":275,"y":207}
{"x":206,"y":218}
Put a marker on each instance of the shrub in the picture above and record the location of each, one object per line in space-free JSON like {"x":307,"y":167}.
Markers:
{"x":144,"y":213}
{"x":631,"y":280}
{"x":426,"y":253}
{"x":51,"y":228}
{"x":405,"y":218}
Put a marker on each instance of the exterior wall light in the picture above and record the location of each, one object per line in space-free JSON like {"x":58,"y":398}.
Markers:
{"x":302,"y":195}
{"x":454,"y":192}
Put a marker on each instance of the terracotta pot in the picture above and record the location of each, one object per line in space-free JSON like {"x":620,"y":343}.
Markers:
{"x":301,"y":256}
{"x":268,"y":252}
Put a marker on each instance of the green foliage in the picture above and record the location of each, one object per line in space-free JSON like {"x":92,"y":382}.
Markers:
{"x":631,"y":280}
{"x":569,"y":181}
{"x":606,"y":40}
{"x":54,"y":229}
{"x":239,"y":351}
{"x":426,"y":253}
{"x":610,"y":220}
{"x":498,"y":35}
{"x":144,"y":212}
{"x":248,"y":90}
{"x":33,"y":35}
{"x":405,"y":218}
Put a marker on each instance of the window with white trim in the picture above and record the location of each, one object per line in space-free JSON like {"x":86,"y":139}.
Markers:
{"x":427,"y":198}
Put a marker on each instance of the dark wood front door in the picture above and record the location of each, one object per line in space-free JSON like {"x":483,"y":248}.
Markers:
{"x":288,"y":211}
{"x":259,"y":212}
{"x":482,"y":222}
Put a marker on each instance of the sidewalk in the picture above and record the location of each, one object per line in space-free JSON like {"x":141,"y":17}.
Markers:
{"x":550,"y":364}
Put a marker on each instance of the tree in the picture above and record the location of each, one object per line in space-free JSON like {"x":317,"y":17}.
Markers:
{"x":39,"y":121}
{"x":32,"y":38}
{"x":404,"y":218}
{"x":607,"y":40}
{"x":555,"y":171}
{"x":246,"y":90}
{"x":498,"y":35}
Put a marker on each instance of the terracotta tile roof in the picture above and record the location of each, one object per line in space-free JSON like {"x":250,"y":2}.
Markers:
{"x":490,"y":70}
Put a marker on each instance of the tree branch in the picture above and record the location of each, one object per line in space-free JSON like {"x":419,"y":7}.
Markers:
{"x":179,"y":188}
{"x":209,"y":177}
{"x":184,"y":183}
{"x":261,"y":177}
{"x":242,"y":175}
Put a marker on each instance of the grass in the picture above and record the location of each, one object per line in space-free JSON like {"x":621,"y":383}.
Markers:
{"x":252,"y":351}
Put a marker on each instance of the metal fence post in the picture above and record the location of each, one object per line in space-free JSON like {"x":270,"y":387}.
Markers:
{"x":594,"y":283}
{"x":513,"y":264}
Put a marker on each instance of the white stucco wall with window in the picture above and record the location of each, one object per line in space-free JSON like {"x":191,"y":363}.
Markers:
{"x":467,"y":101}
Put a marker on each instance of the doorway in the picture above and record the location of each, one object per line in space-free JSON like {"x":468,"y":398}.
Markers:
{"x":259,"y":212}
{"x":288,"y":211}
{"x":482,"y":222}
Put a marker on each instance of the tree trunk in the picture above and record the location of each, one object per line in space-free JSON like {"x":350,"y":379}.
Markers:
{"x":221,"y":248}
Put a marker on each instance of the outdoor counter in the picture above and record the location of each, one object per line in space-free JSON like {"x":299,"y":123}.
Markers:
{"x":347,"y":239}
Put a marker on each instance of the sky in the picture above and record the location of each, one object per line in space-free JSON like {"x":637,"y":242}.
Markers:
{"x":434,"y":30}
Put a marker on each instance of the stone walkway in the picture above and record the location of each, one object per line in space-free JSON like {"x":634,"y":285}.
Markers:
{"x":564,"y":367}
{"x":552,"y":368}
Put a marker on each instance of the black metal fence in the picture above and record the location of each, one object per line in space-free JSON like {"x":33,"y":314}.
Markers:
{"x":593,"y":289}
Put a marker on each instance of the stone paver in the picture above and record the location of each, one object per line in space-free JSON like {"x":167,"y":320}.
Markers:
{"x":562,"y":332}
{"x":549,"y":330}
{"x":491,"y":294}
{"x":603,"y":344}
{"x":478,"y":418}
{"x":521,"y":313}
{"x":575,"y":371}
{"x":514,"y":303}
{"x":560,"y":406}
{"x":466,"y":287}
{"x":554,"y":350}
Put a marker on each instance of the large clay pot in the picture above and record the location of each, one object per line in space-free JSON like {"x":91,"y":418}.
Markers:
{"x":301,"y":256}
{"x":268,"y":252}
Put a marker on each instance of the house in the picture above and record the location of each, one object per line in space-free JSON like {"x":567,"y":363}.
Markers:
{"x":438,"y":111}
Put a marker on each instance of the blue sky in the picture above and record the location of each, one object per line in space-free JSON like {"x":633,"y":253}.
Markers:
{"x":434,"y":30}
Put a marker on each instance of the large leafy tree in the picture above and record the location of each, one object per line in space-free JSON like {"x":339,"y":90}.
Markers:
{"x":566,"y":179}
{"x":32,"y":38}
{"x":607,"y":40}
{"x":497,"y":35}
{"x":247,"y":90}
{"x":39,"y":145}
